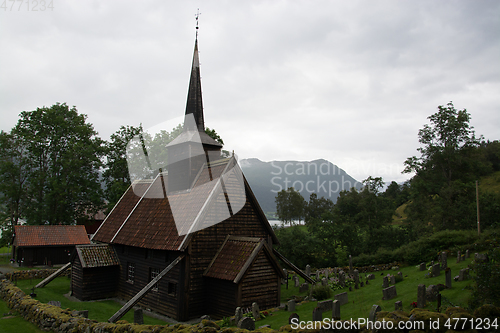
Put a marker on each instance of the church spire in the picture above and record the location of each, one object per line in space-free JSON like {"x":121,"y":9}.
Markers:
{"x":194,"y":103}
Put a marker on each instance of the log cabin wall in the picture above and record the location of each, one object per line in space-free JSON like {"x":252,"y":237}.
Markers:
{"x":221,"y":297}
{"x":144,"y":263}
{"x":44,"y":255}
{"x":205,"y":244}
{"x":261,"y":284}
{"x":93,"y":283}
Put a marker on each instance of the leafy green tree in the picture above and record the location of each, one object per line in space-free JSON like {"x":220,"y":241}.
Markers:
{"x":63,"y":155}
{"x":290,"y":205}
{"x":444,"y":173}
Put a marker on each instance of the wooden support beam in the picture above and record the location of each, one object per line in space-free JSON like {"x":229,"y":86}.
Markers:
{"x":292,"y":266}
{"x":53,"y":276}
{"x":134,"y":300}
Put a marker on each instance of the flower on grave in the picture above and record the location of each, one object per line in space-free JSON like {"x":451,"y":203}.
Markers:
{"x":414,"y":304}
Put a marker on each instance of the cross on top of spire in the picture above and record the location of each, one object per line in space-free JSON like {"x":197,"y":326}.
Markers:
{"x":197,"y":16}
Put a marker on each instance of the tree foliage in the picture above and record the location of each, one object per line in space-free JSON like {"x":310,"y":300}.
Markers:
{"x":54,"y":156}
{"x":290,"y":205}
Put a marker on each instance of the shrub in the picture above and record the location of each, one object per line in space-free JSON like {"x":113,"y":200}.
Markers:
{"x":321,"y":292}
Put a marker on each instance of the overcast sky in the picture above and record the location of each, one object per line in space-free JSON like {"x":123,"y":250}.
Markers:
{"x":347,"y":81}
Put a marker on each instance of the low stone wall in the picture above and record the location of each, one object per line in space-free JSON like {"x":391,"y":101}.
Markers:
{"x":34,"y":274}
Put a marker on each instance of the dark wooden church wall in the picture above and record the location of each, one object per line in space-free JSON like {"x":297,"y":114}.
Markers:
{"x":221,"y":297}
{"x":158,"y":300}
{"x":205,"y":245}
{"x":93,"y":283}
{"x":260,"y":284}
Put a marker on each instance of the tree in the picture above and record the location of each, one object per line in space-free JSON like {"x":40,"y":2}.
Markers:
{"x":449,"y":163}
{"x":63,"y":156}
{"x":289,"y":205}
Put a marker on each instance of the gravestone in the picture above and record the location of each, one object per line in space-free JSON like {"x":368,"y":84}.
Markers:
{"x":317,"y":314}
{"x":246,"y":323}
{"x":447,"y":274}
{"x":325,"y":305}
{"x":291,"y":305}
{"x":444,"y":260}
{"x":436,"y":269}
{"x":481,"y":257}
{"x":317,"y":276}
{"x":389,"y":293}
{"x":255,"y":311}
{"x":335,"y":310}
{"x":350,"y":265}
{"x":398,"y":306}
{"x":342,"y":279}
{"x":303,"y":287}
{"x":238,"y":314}
{"x":324,"y":282}
{"x":308,"y":270}
{"x":459,"y":256}
{"x":392,"y":278}
{"x":297,"y":281}
{"x":138,"y":317}
{"x":422,"y":266}
{"x":293,"y":316}
{"x":400,"y":275}
{"x":467,"y":254}
{"x":373,"y":312}
{"x":326,"y":273}
{"x":385,"y":282}
{"x":463,"y":274}
{"x":342,"y":298}
{"x":356,"y":279}
{"x":431,"y":293}
{"x":285,"y":280}
{"x":370,"y":277}
{"x":421,"y":299}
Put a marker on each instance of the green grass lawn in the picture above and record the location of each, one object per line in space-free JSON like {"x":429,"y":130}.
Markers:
{"x":13,"y":322}
{"x":361,"y":300}
{"x":98,"y":310}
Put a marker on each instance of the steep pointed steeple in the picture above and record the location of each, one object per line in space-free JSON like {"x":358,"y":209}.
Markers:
{"x":194,"y":103}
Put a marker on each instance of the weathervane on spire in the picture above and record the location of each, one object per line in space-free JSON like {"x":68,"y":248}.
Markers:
{"x":197,"y":15}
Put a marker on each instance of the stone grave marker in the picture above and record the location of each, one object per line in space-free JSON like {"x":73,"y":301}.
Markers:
{"x":398,"y":306}
{"x":422,"y":266}
{"x":421,"y":297}
{"x":293,"y":316}
{"x":373,"y":312}
{"x":463,"y":274}
{"x":342,"y":298}
{"x":342,"y":279}
{"x":325,"y":305}
{"x":238,"y":314}
{"x":138,"y":317}
{"x":459,"y":256}
{"x":370,"y":277}
{"x":350,"y":265}
{"x":246,"y":323}
{"x":317,"y":314}
{"x":481,"y":257}
{"x":436,"y":269}
{"x":303,"y":287}
{"x":467,"y":254}
{"x":335,"y":310}
{"x":255,"y":311}
{"x":392,"y":279}
{"x":297,"y":281}
{"x":385,"y":282}
{"x":389,"y":293}
{"x":444,"y":260}
{"x":356,"y":279}
{"x":308,"y":270}
{"x":291,"y":305}
{"x":317,"y":275}
{"x":431,"y":293}
{"x":447,"y":274}
{"x":400,"y":274}
{"x":324,"y":282}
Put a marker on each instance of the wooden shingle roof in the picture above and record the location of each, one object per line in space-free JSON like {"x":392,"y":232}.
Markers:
{"x":144,"y":218}
{"x":49,"y":235}
{"x":235,"y":256}
{"x":97,"y":255}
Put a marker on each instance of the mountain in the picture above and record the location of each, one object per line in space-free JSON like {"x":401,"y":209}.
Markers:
{"x":319,"y":176}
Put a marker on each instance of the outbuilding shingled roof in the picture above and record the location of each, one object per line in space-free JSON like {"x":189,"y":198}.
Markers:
{"x":97,"y":255}
{"x":49,"y":235}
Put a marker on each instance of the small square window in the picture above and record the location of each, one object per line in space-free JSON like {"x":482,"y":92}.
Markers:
{"x":154,"y":272}
{"x":172,"y":289}
{"x":130,"y":272}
